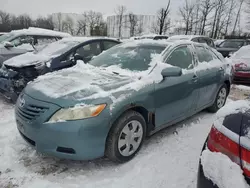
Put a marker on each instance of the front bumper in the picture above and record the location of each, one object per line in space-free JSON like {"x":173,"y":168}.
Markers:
{"x":76,"y":140}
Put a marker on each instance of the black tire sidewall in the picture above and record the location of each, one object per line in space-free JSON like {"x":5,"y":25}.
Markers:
{"x":215,"y":102}
{"x":116,"y":131}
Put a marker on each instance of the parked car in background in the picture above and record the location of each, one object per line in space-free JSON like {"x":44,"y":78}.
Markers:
{"x":225,"y":156}
{"x":107,"y":107}
{"x":229,"y":46}
{"x":18,"y":71}
{"x":217,"y":42}
{"x":2,"y":33}
{"x":152,"y":36}
{"x":21,"y":41}
{"x":193,"y":38}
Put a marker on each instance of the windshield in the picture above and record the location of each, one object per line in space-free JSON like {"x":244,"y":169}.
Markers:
{"x":136,"y":58}
{"x":57,"y":48}
{"x":231,"y":44}
{"x":6,"y":37}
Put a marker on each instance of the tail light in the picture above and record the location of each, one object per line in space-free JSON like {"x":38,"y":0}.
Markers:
{"x":229,"y":145}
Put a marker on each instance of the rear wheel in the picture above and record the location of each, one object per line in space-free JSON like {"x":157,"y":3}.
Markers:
{"x":126,"y":137}
{"x":220,"y":100}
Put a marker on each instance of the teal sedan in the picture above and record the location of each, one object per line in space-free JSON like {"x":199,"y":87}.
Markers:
{"x":108,"y":107}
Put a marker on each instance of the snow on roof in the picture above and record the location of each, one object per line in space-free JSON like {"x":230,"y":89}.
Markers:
{"x":40,"y":31}
{"x":83,"y":39}
{"x":184,"y":37}
{"x":222,"y":171}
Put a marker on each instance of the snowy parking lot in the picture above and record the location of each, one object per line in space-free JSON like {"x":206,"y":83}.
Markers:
{"x":167,"y":159}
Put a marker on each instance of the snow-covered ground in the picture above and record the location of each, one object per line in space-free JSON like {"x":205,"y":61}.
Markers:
{"x":167,"y":159}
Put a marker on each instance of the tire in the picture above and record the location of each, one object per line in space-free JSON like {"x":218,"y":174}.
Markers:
{"x":216,"y":106}
{"x":126,"y":137}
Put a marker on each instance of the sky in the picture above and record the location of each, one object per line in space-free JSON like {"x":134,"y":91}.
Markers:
{"x":45,"y":7}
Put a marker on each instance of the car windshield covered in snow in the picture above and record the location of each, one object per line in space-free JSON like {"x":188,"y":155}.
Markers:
{"x":57,"y":48}
{"x":232,"y":44}
{"x":135,"y":58}
{"x":243,"y":52}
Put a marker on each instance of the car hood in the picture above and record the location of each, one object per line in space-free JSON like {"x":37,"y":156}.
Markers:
{"x":26,"y":59}
{"x":70,"y":87}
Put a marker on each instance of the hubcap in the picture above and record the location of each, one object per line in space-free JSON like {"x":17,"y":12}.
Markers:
{"x":130,"y":138}
{"x":221,"y":98}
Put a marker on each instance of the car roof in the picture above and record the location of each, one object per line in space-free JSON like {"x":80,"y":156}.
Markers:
{"x":85,"y":39}
{"x":39,"y":32}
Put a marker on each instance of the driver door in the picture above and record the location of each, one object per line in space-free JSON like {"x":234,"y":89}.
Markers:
{"x":89,"y":50}
{"x":175,"y":97}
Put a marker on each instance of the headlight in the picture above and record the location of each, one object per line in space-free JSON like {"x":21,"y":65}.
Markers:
{"x":76,"y":113}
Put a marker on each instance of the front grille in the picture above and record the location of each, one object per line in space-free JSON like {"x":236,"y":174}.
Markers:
{"x":30,"y":112}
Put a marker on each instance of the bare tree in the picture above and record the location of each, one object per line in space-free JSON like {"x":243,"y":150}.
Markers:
{"x":237,"y":16}
{"x":120,"y":11}
{"x":4,"y":21}
{"x":139,"y":28}
{"x":187,"y":14}
{"x":44,"y":22}
{"x":133,"y":22}
{"x":59,"y":21}
{"x":206,"y":8}
{"x":230,"y":14}
{"x":81,"y":27}
{"x":94,"y":20}
{"x":163,"y":22}
{"x":68,"y":25}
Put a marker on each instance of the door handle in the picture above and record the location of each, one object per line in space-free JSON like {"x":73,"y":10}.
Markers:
{"x":195,"y":78}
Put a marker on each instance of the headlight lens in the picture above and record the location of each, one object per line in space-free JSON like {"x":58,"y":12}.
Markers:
{"x":76,"y":113}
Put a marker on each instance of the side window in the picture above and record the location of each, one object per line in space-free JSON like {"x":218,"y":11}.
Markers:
{"x":181,"y":57}
{"x":195,"y":40}
{"x":108,"y":44}
{"x":202,"y":40}
{"x":43,"y":40}
{"x":21,"y":40}
{"x":89,"y":50}
{"x":203,"y":54}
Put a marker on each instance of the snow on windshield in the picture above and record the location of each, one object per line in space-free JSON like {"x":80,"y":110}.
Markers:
{"x":222,"y":171}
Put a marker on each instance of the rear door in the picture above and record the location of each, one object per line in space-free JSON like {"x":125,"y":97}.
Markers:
{"x":176,"y":97}
{"x":208,"y":71}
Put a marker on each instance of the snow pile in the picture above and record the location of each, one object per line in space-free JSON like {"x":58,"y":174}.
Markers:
{"x":222,"y":171}
{"x":242,"y":87}
{"x":39,"y":31}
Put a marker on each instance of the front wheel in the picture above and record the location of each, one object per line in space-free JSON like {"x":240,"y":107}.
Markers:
{"x":126,"y":137}
{"x":220,"y":100}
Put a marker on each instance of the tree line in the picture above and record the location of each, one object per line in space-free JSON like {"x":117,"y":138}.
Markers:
{"x":216,"y":18}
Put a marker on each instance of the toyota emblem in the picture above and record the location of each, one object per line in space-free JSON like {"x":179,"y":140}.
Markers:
{"x":21,"y":102}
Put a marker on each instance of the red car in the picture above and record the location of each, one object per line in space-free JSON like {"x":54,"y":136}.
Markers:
{"x":229,"y":145}
{"x":241,"y":65}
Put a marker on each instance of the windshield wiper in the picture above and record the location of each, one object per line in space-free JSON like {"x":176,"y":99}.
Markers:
{"x":115,"y":73}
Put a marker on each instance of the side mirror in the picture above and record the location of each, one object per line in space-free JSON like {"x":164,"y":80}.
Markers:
{"x":78,"y":57}
{"x":171,"y":72}
{"x":8,"y":45}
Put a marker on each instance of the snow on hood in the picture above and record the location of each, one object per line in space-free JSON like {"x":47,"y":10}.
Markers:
{"x":241,"y":56}
{"x":26,"y":59}
{"x":222,"y":171}
{"x":88,"y":82}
